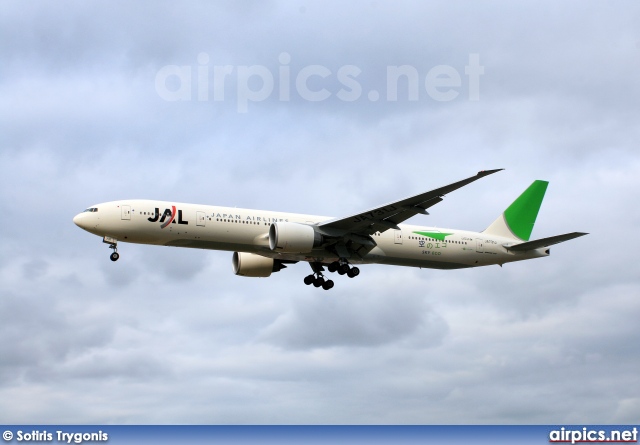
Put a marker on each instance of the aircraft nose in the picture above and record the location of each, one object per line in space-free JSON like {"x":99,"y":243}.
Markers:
{"x":81,"y":221}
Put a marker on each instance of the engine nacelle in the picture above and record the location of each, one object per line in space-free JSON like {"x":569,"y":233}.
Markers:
{"x":251,"y":265}
{"x":289,"y":237}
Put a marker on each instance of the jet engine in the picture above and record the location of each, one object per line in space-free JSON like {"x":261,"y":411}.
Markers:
{"x":252,"y":265}
{"x":291,"y":237}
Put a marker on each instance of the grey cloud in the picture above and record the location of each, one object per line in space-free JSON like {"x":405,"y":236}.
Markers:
{"x":360,"y":319}
{"x":118,"y":276}
{"x":35,"y":269}
{"x":42,"y":333}
{"x":174,"y":263}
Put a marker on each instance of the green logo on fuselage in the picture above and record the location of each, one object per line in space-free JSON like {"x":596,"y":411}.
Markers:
{"x":435,"y":235}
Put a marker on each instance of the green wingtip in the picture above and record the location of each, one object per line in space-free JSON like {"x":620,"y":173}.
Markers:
{"x":521,"y":215}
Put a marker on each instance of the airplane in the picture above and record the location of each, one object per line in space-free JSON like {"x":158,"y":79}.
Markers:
{"x":264,"y":242}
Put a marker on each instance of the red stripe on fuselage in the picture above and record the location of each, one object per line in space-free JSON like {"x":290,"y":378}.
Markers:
{"x":173,"y":215}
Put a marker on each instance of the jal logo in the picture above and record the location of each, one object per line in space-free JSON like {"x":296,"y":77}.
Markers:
{"x":168,"y":217}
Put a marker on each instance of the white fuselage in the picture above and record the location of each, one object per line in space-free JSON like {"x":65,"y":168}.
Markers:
{"x":246,"y":230}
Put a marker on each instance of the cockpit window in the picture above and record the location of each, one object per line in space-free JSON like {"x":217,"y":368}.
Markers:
{"x":91,"y":209}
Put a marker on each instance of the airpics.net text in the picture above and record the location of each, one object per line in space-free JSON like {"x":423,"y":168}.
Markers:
{"x":312,"y":83}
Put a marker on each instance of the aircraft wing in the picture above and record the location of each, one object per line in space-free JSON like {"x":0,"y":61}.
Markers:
{"x":390,"y":215}
{"x":544,"y":242}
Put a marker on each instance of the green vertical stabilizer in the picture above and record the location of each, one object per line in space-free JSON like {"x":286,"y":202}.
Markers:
{"x":521,"y":215}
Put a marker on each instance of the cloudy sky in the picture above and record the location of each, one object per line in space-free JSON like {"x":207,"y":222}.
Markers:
{"x":110,"y":100}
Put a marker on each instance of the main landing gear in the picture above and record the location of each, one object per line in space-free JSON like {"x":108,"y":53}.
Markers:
{"x":318,"y":280}
{"x":344,"y":268}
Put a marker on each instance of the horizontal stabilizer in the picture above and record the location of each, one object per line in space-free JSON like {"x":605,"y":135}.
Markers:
{"x":544,"y":242}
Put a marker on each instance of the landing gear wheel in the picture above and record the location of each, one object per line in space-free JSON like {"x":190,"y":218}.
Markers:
{"x":333,"y":266}
{"x":327,"y":284}
{"x":343,"y":269}
{"x":353,"y":272}
{"x":113,"y":245}
{"x":317,"y":278}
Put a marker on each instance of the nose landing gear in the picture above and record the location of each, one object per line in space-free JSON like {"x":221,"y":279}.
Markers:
{"x":113,"y":244}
